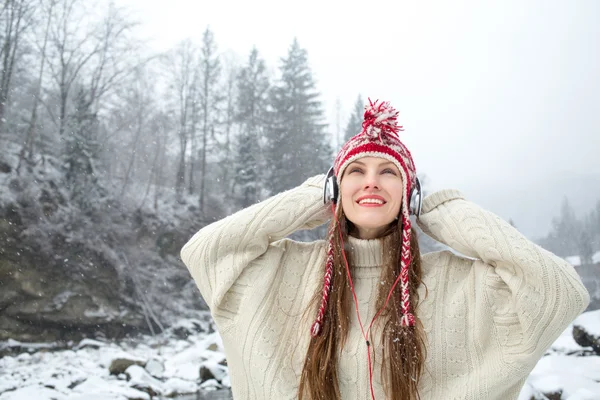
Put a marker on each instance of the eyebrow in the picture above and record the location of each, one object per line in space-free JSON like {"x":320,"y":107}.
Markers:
{"x":363,"y":164}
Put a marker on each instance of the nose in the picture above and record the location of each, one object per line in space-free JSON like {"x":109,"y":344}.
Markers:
{"x":371,"y":181}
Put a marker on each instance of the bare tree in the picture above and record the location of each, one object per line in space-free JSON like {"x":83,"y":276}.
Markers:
{"x":14,"y":20}
{"x":195,"y":120}
{"x":27,"y":150}
{"x":113,"y":61}
{"x":72,"y":47}
{"x":181,"y":63}
{"x":82,"y":46}
{"x":209,"y":101}
{"x":132,"y":114}
{"x":229,"y":116}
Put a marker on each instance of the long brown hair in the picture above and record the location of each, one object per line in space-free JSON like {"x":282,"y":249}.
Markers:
{"x":403,"y":347}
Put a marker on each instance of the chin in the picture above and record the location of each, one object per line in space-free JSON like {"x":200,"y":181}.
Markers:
{"x":370,"y":225}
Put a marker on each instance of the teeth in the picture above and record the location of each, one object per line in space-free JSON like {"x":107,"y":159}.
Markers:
{"x":372,"y":201}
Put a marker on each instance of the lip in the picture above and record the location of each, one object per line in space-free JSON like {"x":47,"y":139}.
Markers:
{"x":371,"y":196}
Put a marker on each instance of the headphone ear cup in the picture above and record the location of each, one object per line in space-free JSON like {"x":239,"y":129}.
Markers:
{"x":330,"y":190}
{"x":336,"y":191}
{"x":416,"y":199}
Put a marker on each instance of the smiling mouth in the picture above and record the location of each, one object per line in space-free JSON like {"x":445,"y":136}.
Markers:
{"x":371,"y":202}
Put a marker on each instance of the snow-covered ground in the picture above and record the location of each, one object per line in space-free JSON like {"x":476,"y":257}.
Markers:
{"x":168,"y":365}
{"x":568,"y":370}
{"x":189,"y":358}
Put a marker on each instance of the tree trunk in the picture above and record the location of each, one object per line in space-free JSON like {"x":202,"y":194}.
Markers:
{"x":27,"y":150}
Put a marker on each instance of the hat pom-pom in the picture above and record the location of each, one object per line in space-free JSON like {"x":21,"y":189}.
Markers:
{"x":380,"y":117}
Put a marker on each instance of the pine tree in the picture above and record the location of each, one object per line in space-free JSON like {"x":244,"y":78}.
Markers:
{"x":209,"y":99}
{"x":253,"y":85}
{"x":81,"y":153}
{"x":565,"y":238}
{"x":356,"y":118}
{"x":297,"y":144}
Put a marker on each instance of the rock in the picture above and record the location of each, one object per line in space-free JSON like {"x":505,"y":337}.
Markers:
{"x":186,"y":328}
{"x":89,"y":343}
{"x":213,"y":347}
{"x":60,"y":290}
{"x":96,"y":387}
{"x":120,"y":365}
{"x":226,"y":382}
{"x":210,"y":384}
{"x":212,"y":370}
{"x":139,"y":379}
{"x":585,"y":339}
{"x":205,"y":373}
{"x":5,"y":167}
{"x":586,"y":331}
{"x":554,"y":395}
{"x":177,"y":386}
{"x":155,"y":368}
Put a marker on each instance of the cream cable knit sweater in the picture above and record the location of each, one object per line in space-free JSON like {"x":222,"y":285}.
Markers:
{"x":488,"y":318}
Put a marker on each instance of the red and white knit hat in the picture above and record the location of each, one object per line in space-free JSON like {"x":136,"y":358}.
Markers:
{"x":378,"y":138}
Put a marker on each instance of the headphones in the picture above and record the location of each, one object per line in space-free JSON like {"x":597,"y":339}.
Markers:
{"x":331,"y":193}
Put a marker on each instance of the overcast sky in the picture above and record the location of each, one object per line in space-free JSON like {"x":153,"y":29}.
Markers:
{"x":494,"y":98}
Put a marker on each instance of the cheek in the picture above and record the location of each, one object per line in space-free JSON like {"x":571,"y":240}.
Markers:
{"x":348,"y":189}
{"x":397,"y":194}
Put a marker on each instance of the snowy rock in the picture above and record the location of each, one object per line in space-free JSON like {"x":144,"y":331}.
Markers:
{"x":24,"y":357}
{"x":205,"y":374}
{"x":33,"y":392}
{"x":141,"y":380}
{"x":226,"y":382}
{"x":188,"y":327}
{"x":210,"y":384}
{"x":91,"y":343}
{"x":586,"y":330}
{"x":213,"y":347}
{"x":566,"y":344}
{"x":574,"y":260}
{"x":186,"y":361}
{"x":104,"y":389}
{"x":176,"y":386}
{"x":211,"y":370}
{"x":155,"y":368}
{"x":120,"y":365}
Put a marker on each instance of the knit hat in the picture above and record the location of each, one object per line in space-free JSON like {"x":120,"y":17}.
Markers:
{"x":378,"y":138}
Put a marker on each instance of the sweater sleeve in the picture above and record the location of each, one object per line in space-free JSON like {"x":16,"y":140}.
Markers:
{"x":542,"y":291}
{"x":217,"y":254}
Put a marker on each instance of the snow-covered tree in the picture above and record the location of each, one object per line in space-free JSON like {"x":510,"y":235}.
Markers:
{"x":356,"y":118}
{"x":252,"y":101}
{"x":180,"y":65}
{"x":15,"y":18}
{"x":297,"y":143}
{"x":209,"y":101}
{"x":81,"y":152}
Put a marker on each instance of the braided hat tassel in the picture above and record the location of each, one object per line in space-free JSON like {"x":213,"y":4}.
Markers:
{"x":317,"y":326}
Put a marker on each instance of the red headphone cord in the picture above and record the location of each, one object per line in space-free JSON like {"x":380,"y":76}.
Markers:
{"x":365,"y":335}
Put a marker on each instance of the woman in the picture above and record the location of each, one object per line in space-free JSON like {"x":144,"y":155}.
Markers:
{"x":363,"y":315}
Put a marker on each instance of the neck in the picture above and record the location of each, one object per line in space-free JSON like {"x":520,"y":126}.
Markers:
{"x":364,"y":253}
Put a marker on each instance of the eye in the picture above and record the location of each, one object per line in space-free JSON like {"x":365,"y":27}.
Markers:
{"x":388,"y":171}
{"x":354,"y":169}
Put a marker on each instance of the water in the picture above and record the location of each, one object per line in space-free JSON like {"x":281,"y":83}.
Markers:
{"x":207,"y":395}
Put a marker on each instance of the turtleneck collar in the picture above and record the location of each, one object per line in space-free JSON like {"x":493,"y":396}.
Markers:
{"x":364,"y":253}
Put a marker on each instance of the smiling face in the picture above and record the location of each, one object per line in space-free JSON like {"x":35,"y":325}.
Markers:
{"x":371,"y":192}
